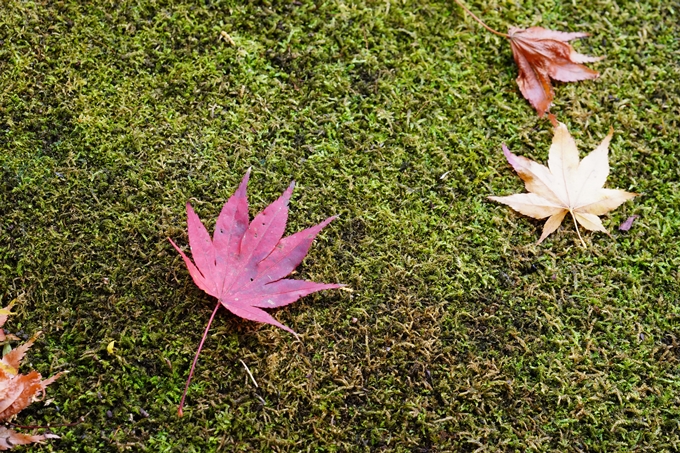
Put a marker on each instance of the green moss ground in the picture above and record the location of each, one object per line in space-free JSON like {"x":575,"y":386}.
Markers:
{"x":461,"y":334}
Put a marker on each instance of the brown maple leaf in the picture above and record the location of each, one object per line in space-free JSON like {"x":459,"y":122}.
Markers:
{"x":18,"y":391}
{"x":541,"y":55}
{"x":566,"y":185}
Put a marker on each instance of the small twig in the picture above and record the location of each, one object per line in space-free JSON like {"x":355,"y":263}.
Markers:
{"x":480,"y":20}
{"x":442,"y":420}
{"x":248,"y":371}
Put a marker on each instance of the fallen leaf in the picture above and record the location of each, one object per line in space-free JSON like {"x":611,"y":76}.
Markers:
{"x":17,"y":391}
{"x":4,"y":314}
{"x":543,"y":54}
{"x":244,"y":264}
{"x":566,"y":185}
{"x":628,"y":224}
{"x":10,"y":438}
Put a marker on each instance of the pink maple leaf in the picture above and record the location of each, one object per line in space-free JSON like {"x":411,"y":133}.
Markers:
{"x":244,"y":264}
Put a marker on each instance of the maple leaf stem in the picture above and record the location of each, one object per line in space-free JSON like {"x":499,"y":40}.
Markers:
{"x":577,"y":231}
{"x":480,"y":20}
{"x":193,"y":365}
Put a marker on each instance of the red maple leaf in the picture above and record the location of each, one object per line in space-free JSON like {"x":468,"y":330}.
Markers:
{"x":244,"y":264}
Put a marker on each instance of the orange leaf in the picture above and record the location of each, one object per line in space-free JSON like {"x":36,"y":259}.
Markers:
{"x":22,"y":389}
{"x":18,"y":391}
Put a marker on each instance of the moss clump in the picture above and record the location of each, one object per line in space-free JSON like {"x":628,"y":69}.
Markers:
{"x":460,"y":334}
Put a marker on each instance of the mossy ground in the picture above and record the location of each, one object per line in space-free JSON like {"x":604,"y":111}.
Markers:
{"x":461,"y":334}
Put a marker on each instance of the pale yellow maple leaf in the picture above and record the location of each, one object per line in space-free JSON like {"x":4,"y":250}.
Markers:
{"x":565,"y":185}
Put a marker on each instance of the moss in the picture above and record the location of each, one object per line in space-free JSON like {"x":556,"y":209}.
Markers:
{"x":460,"y":333}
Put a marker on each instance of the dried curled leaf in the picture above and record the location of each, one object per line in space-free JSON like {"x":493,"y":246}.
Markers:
{"x":543,"y":54}
{"x":628,"y":224}
{"x":10,"y":438}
